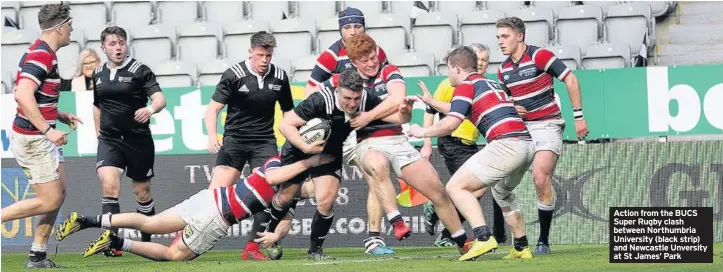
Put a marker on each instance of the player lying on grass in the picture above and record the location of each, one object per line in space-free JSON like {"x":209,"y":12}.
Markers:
{"x":204,"y":218}
{"x":500,"y":165}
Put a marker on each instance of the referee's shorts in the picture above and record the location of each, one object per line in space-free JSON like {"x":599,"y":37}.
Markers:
{"x":134,"y":155}
{"x":454,"y":152}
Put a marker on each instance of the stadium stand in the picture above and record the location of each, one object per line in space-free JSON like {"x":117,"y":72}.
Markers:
{"x":199,"y":33}
{"x":414,"y":64}
{"x":175,"y":73}
{"x":209,"y":73}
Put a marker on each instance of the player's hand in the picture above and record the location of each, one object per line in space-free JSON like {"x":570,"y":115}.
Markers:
{"x":214,"y":145}
{"x":521,"y":111}
{"x":142,"y":115}
{"x":69,"y":119}
{"x":426,"y":95}
{"x":426,"y":151}
{"x":320,"y":159}
{"x":362,"y":119}
{"x":581,"y":129}
{"x":58,"y":137}
{"x":314,"y":148}
{"x":267,"y":239}
{"x":415,"y":131}
{"x":407,"y":105}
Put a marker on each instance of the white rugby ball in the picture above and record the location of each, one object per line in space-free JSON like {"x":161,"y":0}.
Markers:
{"x":314,"y":130}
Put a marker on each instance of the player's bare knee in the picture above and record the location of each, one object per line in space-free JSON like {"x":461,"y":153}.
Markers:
{"x":376,"y":165}
{"x":325,"y":204}
{"x":142,"y":191}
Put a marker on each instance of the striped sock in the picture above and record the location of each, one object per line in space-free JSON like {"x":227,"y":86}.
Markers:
{"x":148,"y":209}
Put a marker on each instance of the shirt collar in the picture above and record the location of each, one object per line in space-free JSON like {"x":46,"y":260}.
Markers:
{"x":251,"y":70}
{"x":125,"y":62}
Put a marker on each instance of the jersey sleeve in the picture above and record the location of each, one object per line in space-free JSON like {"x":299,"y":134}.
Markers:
{"x":148,"y":81}
{"x":390,"y":73}
{"x":332,"y":82}
{"x":96,"y":103}
{"x":546,"y":61}
{"x":272,"y":163}
{"x":313,"y":106}
{"x":325,"y":66}
{"x":286,"y":100}
{"x":371,"y":102}
{"x":462,"y":100}
{"x":36,"y":66}
{"x":382,"y":56}
{"x":225,"y":87}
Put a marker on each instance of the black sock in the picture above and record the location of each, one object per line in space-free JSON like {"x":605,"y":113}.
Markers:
{"x":148,"y":209}
{"x":521,"y":243}
{"x":545,"y":222}
{"x":499,"y":222}
{"x":116,"y":242}
{"x":110,"y":205}
{"x":277,"y":213}
{"x":460,"y":240}
{"x":261,"y":220}
{"x":319,"y":229}
{"x":91,"y":221}
{"x":446,"y":233}
{"x":36,"y":256}
{"x":482,"y":233}
{"x":373,"y":234}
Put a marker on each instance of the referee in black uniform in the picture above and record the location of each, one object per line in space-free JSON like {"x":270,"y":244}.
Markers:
{"x":121,"y":90}
{"x":251,"y":90}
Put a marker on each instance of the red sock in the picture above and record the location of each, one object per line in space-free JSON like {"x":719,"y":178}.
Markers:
{"x":251,"y":246}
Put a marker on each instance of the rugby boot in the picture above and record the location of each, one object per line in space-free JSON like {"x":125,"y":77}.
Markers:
{"x":72,"y":224}
{"x":112,"y":253}
{"x":401,"y":230}
{"x":479,"y":248}
{"x":526,"y":253}
{"x":319,"y":255}
{"x":99,"y":245}
{"x":444,"y":241}
{"x":430,"y":218}
{"x":254,"y":254}
{"x":542,"y":249}
{"x":45,"y":263}
{"x":375,"y":245}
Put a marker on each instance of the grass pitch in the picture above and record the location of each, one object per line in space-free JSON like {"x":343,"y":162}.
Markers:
{"x":564,"y":258}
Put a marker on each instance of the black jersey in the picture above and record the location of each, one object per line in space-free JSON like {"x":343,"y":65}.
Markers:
{"x":324,"y":104}
{"x":118,"y":93}
{"x":251,"y":100}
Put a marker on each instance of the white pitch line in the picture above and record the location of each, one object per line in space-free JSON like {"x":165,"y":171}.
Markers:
{"x":385,"y":259}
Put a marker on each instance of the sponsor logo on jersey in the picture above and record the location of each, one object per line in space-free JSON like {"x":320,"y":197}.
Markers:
{"x":125,"y":79}
{"x":274,"y":87}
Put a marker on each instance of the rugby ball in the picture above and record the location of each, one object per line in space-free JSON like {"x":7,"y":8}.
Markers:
{"x":275,"y":252}
{"x":314,"y":130}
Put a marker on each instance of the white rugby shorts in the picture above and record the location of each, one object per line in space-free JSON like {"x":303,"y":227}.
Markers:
{"x":204,"y":224}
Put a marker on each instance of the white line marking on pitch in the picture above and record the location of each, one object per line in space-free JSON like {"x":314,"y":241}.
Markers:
{"x":386,"y":259}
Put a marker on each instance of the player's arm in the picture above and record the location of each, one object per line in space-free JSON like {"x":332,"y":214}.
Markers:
{"x":286,"y":101}
{"x":33,"y":73}
{"x":153,"y":90}
{"x":397,"y":91}
{"x":312,"y":107}
{"x":404,"y":113}
{"x":277,"y":174}
{"x":96,"y":108}
{"x":267,"y":239}
{"x":546,"y":60}
{"x":219,"y":99}
{"x":461,"y":106}
{"x":325,"y":64}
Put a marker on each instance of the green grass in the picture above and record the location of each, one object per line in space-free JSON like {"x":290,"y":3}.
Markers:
{"x":564,"y":258}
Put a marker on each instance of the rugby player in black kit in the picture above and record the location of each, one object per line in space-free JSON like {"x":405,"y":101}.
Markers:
{"x":121,"y":90}
{"x":251,"y":89}
{"x":337,"y":106}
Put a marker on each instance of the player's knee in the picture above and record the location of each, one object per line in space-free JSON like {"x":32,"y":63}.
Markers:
{"x":110,"y":187}
{"x":51,"y":203}
{"x":142,"y":191}
{"x":376,"y":164}
{"x":325,"y":204}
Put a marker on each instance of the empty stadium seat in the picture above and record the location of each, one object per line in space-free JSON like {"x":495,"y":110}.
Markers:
{"x":403,"y":6}
{"x":414,"y":64}
{"x":480,"y":27}
{"x":628,"y":23}
{"x":441,"y":27}
{"x":14,"y":45}
{"x":366,"y":7}
{"x":223,"y":12}
{"x":658,"y":8}
{"x":88,"y":14}
{"x":607,"y":56}
{"x":327,"y":33}
{"x":92,"y":40}
{"x":28,"y":14}
{"x":568,"y":54}
{"x":199,"y":42}
{"x":457,"y":7}
{"x":294,"y":37}
{"x":10,"y":10}
{"x":315,"y":9}
{"x":579,"y":26}
{"x":284,"y":64}
{"x":7,"y":83}
{"x":175,"y":74}
{"x":153,"y":44}
{"x":556,"y":6}
{"x":177,"y":12}
{"x":539,"y":22}
{"x":504,"y":5}
{"x":68,"y":55}
{"x":237,"y":42}
{"x":496,"y":58}
{"x":389,"y":30}
{"x":605,"y":5}
{"x":209,"y":73}
{"x":303,"y":67}
{"x":269,"y":11}
{"x":131,"y":13}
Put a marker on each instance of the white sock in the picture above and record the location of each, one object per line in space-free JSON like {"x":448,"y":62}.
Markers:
{"x":105,"y":220}
{"x":127,"y":244}
{"x":39,"y":248}
{"x":393,"y":214}
{"x":458,"y":233}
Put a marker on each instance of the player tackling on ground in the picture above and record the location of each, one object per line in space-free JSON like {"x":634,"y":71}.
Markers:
{"x":34,"y":141}
{"x":338,"y":106}
{"x":499,"y":165}
{"x":527,"y":74}
{"x":204,"y":218}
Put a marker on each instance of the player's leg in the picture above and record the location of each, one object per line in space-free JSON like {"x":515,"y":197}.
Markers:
{"x":230,"y":161}
{"x":326,"y":190}
{"x":110,"y":166}
{"x":510,"y":206}
{"x":258,"y":155}
{"x":548,"y":146}
{"x":140,"y":156}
